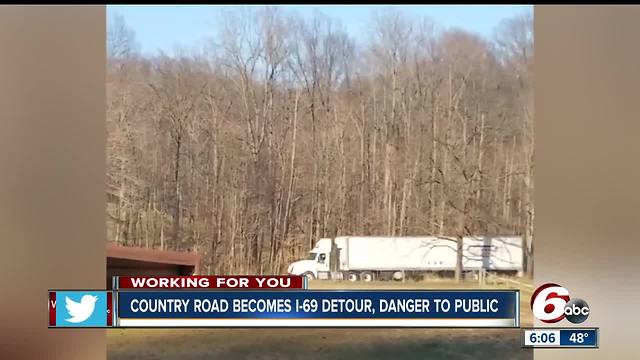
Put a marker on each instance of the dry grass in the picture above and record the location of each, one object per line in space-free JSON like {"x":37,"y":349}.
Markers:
{"x":320,"y":344}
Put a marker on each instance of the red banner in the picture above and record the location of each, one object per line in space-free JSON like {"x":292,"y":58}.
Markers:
{"x":52,"y":308}
{"x":211,"y":282}
{"x":109,"y":308}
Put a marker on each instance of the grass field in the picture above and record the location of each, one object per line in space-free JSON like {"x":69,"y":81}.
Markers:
{"x":267,"y":344}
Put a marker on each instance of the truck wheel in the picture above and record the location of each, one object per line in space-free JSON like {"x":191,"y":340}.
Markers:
{"x":367,"y":276}
{"x":309,"y":276}
{"x":397,"y":275}
{"x":352,"y":276}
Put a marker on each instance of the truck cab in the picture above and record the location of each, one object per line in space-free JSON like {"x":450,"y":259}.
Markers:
{"x":316,"y":265}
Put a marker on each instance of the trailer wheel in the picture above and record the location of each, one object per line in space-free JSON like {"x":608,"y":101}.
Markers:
{"x":367,"y":276}
{"x":397,"y":275}
{"x":352,"y":276}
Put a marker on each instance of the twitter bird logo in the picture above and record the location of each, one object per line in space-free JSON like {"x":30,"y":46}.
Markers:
{"x":82,"y":309}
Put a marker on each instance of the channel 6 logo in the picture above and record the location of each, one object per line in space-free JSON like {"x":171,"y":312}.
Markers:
{"x":551,"y":303}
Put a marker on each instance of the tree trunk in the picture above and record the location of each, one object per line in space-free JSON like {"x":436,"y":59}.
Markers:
{"x":458,"y":272}
{"x":176,"y":212}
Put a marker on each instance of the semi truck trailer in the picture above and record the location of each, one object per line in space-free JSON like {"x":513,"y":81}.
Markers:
{"x":385,"y":258}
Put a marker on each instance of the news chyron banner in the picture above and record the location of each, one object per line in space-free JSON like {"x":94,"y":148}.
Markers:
{"x":275,"y":301}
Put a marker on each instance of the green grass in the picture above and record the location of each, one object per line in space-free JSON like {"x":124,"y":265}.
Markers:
{"x":320,"y":344}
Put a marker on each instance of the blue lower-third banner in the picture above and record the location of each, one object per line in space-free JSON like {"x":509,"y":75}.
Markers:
{"x":318,"y":308}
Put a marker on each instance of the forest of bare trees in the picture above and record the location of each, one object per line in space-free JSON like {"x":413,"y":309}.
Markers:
{"x":288,"y":130}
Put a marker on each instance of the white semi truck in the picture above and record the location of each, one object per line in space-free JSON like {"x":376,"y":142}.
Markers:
{"x":385,"y":258}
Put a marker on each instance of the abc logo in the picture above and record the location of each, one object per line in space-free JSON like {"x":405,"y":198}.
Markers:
{"x":551,"y":303}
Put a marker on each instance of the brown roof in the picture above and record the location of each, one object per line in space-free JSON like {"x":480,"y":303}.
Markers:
{"x":153,"y":255}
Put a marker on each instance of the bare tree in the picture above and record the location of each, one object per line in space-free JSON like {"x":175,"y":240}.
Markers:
{"x":121,"y":39}
{"x":289,"y":131}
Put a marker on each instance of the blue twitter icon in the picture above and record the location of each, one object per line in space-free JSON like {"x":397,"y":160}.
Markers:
{"x":81,"y":308}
